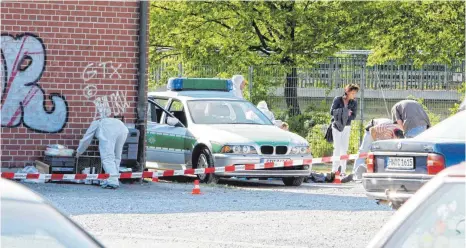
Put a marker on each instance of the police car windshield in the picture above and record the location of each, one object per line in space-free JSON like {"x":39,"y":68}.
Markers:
{"x":226,"y":112}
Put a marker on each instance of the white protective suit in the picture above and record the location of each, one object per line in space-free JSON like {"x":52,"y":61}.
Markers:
{"x":237,"y":81}
{"x":262,"y":106}
{"x":112,"y":134}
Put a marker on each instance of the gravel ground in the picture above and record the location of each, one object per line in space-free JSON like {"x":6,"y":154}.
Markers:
{"x":233,"y":214}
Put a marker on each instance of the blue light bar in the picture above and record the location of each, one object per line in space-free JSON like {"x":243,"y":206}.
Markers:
{"x":185,"y":84}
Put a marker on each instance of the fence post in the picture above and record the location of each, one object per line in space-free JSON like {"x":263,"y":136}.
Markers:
{"x":180,"y":69}
{"x":422,"y":77}
{"x":445,"y":77}
{"x":251,"y":71}
{"x":463,"y":70}
{"x":363,"y":86}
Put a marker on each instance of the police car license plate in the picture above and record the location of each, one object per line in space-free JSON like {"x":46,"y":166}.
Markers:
{"x":400,"y":163}
{"x":273,"y":160}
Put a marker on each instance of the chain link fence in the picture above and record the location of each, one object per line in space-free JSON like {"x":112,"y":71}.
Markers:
{"x":303,"y":96}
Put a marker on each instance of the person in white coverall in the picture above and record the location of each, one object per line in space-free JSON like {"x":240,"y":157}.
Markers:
{"x":262,"y":106}
{"x":238,"y":85}
{"x":112,"y":134}
{"x":366,"y":146}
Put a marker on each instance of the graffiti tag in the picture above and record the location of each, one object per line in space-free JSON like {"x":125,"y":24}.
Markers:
{"x":108,"y":70}
{"x":23,"y":100}
{"x":107,"y":105}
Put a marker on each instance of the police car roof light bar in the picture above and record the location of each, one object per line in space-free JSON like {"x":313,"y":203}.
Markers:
{"x":214,"y":84}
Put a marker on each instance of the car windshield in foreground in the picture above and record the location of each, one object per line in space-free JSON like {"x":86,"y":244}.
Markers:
{"x":438,"y":222}
{"x":226,"y":112}
{"x":38,"y":225}
{"x":451,"y":128}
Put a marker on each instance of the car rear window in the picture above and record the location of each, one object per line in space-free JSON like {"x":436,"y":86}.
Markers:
{"x":452,"y":128}
{"x":438,"y":222}
{"x":37,"y":225}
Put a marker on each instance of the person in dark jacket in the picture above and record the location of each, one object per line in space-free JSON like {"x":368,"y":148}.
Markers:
{"x":410,"y":117}
{"x":348,"y":105}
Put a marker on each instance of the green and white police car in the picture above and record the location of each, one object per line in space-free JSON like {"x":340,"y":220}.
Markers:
{"x":199,"y":123}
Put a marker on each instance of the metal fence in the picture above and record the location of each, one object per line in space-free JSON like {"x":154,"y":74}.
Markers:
{"x":313,"y":88}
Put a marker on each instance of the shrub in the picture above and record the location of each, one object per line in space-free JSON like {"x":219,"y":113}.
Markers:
{"x":456,"y":106}
{"x":313,"y":124}
{"x":316,"y":138}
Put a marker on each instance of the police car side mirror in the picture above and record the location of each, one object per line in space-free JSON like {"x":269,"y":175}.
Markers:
{"x":174,"y":122}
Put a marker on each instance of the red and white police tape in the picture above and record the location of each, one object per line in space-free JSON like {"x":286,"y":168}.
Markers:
{"x":169,"y":173}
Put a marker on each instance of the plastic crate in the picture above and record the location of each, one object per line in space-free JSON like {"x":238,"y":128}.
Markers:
{"x":130,"y":152}
{"x":55,"y":161}
{"x":133,"y":136}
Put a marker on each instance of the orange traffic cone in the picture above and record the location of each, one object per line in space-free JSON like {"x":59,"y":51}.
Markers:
{"x":196,"y":190}
{"x":337,"y":179}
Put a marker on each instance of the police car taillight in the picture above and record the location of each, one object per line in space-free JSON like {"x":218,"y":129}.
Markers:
{"x":435,"y":163}
{"x":214,"y":84}
{"x":370,"y":163}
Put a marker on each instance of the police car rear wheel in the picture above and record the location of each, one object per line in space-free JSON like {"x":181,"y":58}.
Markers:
{"x":205,"y":161}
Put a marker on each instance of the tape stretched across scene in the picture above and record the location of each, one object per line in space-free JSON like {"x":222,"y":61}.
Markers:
{"x":170,"y":173}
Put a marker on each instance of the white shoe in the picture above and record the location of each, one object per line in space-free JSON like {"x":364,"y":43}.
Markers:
{"x":106,"y":185}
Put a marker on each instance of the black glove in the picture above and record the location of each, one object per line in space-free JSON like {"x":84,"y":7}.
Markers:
{"x":369,"y":125}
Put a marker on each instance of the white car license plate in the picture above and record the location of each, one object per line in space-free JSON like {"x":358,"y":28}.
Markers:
{"x":400,"y":163}
{"x":273,"y":160}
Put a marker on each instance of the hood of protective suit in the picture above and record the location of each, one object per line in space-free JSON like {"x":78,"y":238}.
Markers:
{"x":237,"y":80}
{"x":262,"y":106}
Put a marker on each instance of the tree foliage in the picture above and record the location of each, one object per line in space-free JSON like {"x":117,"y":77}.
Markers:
{"x":419,"y":31}
{"x":283,"y":32}
{"x":233,"y":35}
{"x":240,"y":33}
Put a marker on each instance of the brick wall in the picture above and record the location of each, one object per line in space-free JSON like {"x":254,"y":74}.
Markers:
{"x":62,"y":61}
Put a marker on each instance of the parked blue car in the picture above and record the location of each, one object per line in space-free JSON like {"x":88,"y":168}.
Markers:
{"x":398,"y":168}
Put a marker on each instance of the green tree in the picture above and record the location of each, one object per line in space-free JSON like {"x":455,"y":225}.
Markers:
{"x":419,"y":31}
{"x":235,"y":34}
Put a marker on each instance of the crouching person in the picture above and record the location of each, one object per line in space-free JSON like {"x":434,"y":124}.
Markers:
{"x":378,"y":129}
{"x":112,"y":134}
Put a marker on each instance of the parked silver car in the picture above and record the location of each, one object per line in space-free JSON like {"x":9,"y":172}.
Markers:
{"x":433,"y":217}
{"x":29,"y":221}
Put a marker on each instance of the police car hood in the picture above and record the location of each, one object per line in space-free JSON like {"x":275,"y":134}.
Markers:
{"x":246,"y":133}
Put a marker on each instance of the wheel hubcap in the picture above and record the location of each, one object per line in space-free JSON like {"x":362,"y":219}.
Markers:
{"x":202,"y":163}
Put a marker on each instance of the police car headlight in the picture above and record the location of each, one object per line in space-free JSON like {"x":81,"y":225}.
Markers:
{"x":238,"y":149}
{"x":300,"y":150}
{"x":303,"y":150}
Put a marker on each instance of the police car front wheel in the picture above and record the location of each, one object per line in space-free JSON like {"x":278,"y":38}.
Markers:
{"x":205,"y":160}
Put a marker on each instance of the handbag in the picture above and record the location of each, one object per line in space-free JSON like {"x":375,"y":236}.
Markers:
{"x":329,"y":134}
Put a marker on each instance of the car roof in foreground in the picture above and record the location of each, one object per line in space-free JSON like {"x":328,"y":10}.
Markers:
{"x":432,"y":134}
{"x":453,"y":174}
{"x":454,"y":171}
{"x":15,"y":191}
{"x":196,"y":94}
